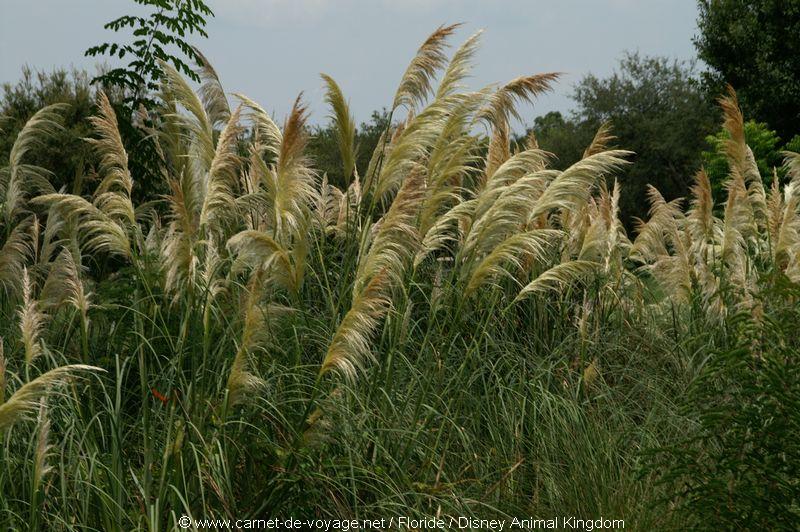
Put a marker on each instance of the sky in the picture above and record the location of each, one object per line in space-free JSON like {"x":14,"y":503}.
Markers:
{"x":271,"y":50}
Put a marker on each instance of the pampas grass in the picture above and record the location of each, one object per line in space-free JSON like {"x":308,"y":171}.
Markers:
{"x":345,"y":126}
{"x":25,"y":400}
{"x":460,"y":329}
{"x":18,"y":180}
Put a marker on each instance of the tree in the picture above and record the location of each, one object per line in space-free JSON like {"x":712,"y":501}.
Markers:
{"x":658,"y":109}
{"x":564,"y":137}
{"x":767,"y":151}
{"x":156,"y":38}
{"x":65,"y":153}
{"x":755,"y":46}
{"x":159,"y":36}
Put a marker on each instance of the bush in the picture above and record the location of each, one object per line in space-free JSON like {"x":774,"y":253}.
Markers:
{"x":739,"y":467}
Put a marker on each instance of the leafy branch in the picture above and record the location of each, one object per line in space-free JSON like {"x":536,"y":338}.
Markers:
{"x":159,"y":36}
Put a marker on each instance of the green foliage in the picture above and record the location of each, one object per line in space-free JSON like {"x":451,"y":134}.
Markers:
{"x":766,"y":148}
{"x":755,"y":46}
{"x":658,"y":110}
{"x":738,"y":468}
{"x":159,"y":36}
{"x":793,"y":145}
{"x":564,"y":137}
{"x":64,"y":151}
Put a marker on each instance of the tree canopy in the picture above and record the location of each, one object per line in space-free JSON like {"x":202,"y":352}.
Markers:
{"x":656,"y":107}
{"x":755,"y":46}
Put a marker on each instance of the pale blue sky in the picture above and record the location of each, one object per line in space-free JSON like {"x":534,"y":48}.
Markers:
{"x":273,"y":49}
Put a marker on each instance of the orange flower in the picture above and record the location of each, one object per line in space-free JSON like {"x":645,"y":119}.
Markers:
{"x":159,"y":396}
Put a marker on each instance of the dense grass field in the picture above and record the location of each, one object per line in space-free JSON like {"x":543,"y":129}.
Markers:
{"x":455,"y":330}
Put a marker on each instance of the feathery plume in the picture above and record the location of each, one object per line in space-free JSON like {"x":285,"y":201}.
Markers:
{"x":211,"y":92}
{"x":392,"y":247}
{"x":259,"y":252}
{"x":450,"y":162}
{"x":572,"y":187}
{"x":701,"y":213}
{"x":508,"y":255}
{"x":113,"y":193}
{"x":605,"y":240}
{"x":349,"y":349}
{"x":397,"y":239}
{"x":501,"y":106}
{"x":327,"y":208}
{"x":774,"y":207}
{"x":179,"y":259}
{"x":459,"y":67}
{"x":742,"y":163}
{"x":602,"y":138}
{"x":348,"y":221}
{"x":223,"y":179}
{"x":531,"y":142}
{"x":268,"y":134}
{"x":42,"y":124}
{"x":442,"y":231}
{"x":241,"y":381}
{"x":409,"y":147}
{"x":40,"y":466}
{"x":792,"y":163}
{"x":63,"y":285}
{"x":31,"y":320}
{"x":560,"y":276}
{"x":520,"y":164}
{"x":18,"y":180}
{"x":25,"y":400}
{"x":786,"y":248}
{"x":290,"y":185}
{"x":100,"y":232}
{"x":662,"y":226}
{"x":738,"y":222}
{"x":499,"y":149}
{"x":733,"y":123}
{"x":345,"y":126}
{"x":502,"y":210}
{"x":200,"y":128}
{"x":18,"y":248}
{"x":415,"y":85}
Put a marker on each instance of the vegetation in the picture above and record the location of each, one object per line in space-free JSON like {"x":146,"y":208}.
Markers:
{"x":452,"y":326}
{"x":64,"y":149}
{"x":754,"y":46}
{"x":765,"y":146}
{"x":160,"y":36}
{"x":658,"y":109}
